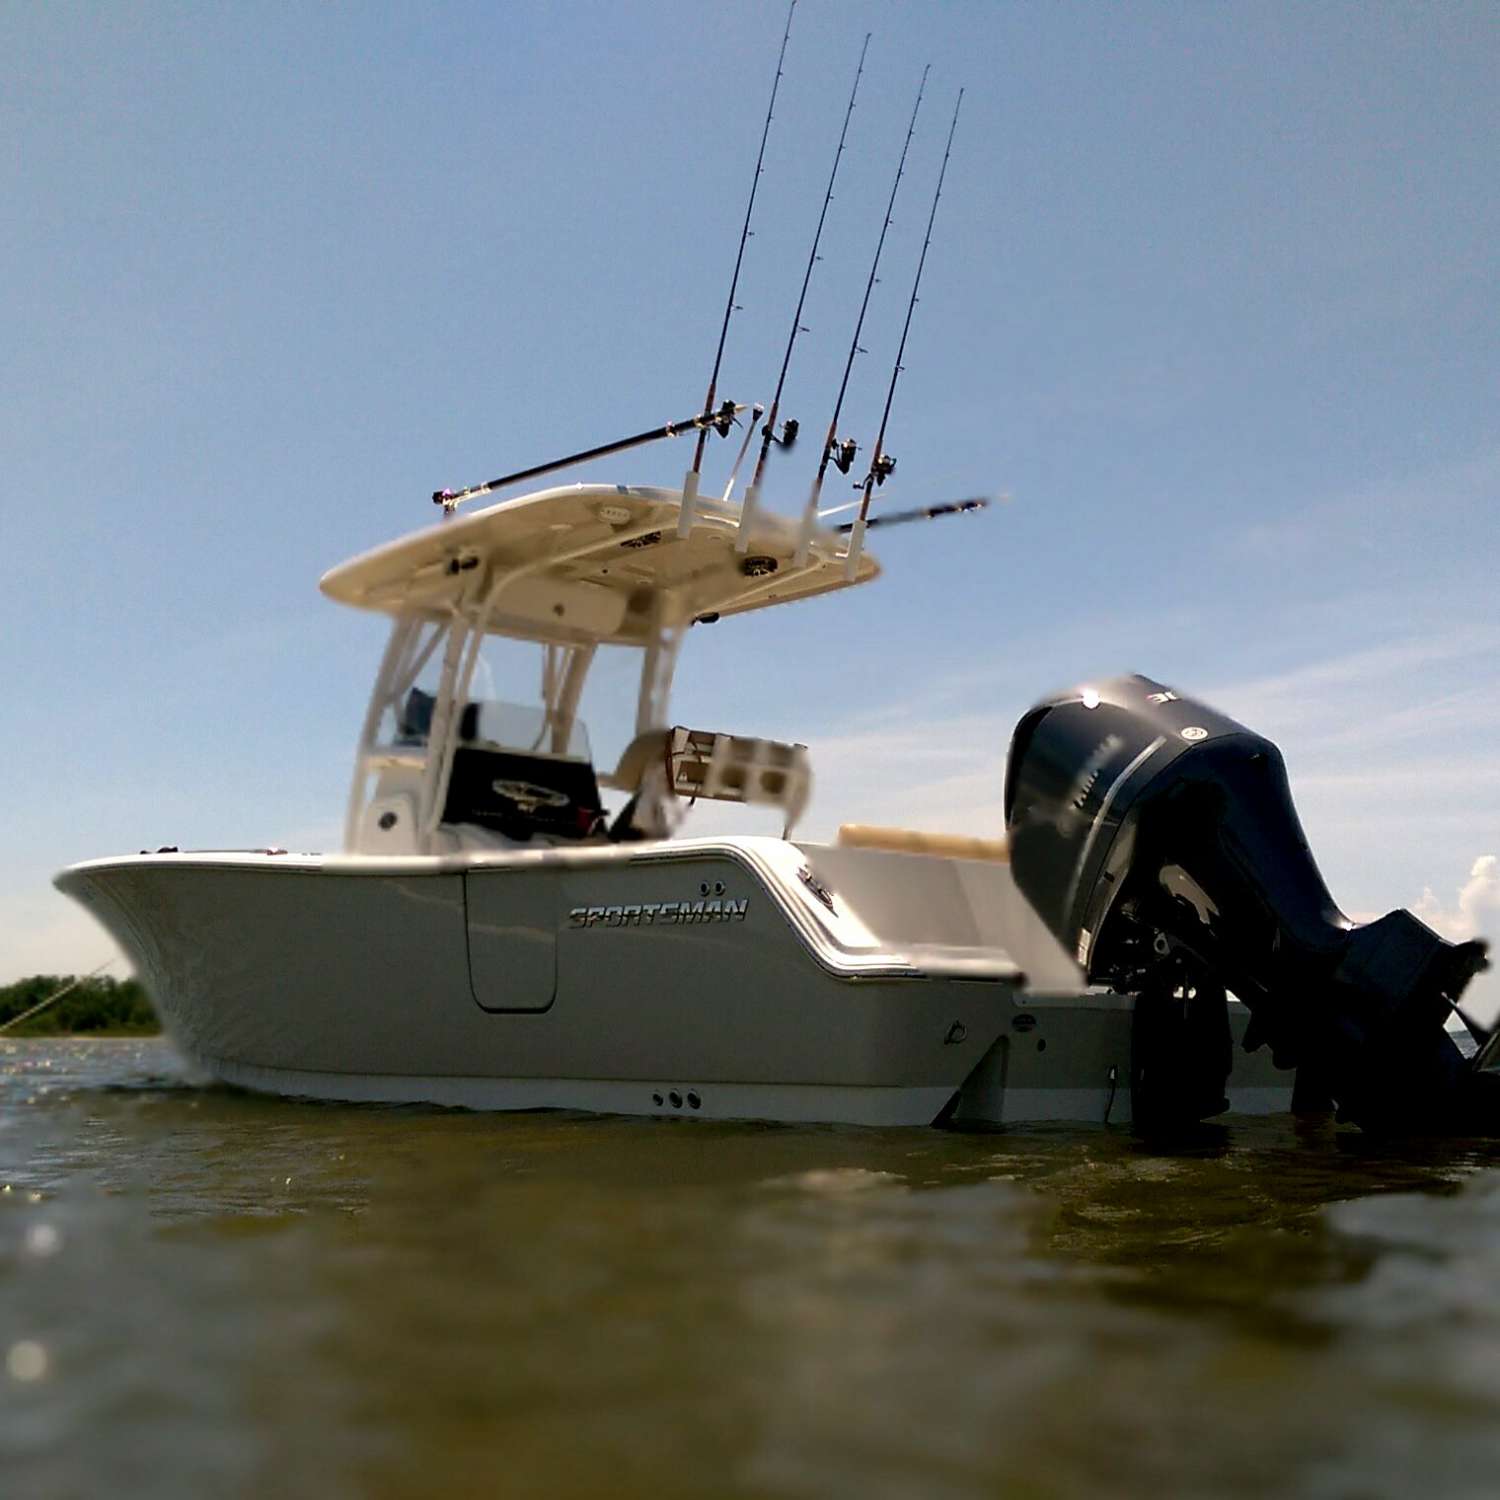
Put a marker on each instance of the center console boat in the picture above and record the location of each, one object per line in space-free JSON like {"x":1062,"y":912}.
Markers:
{"x":496,"y":934}
{"x":514,"y":923}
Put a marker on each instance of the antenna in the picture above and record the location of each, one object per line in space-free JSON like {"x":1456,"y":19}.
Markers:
{"x":882,"y":464}
{"x":846,"y":450}
{"x":690,"y":483}
{"x":789,"y":428}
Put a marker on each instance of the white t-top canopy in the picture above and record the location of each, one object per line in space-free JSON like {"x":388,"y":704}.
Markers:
{"x":592,"y":562}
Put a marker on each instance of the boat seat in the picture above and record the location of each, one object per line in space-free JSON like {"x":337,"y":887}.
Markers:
{"x":918,"y":841}
{"x":644,"y":751}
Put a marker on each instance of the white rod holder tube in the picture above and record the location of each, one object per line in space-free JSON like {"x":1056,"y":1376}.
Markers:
{"x":856,"y":546}
{"x":689,"y":512}
{"x":809,"y":525}
{"x":747,"y":515}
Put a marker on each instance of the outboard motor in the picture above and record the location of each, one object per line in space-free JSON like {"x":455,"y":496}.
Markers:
{"x":1158,"y":840}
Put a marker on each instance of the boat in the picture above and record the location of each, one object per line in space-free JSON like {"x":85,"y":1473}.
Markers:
{"x":491,"y":936}
{"x":517,"y":922}
{"x":494,"y":935}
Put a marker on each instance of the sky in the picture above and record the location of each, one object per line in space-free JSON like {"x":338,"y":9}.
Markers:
{"x":1213,"y":296}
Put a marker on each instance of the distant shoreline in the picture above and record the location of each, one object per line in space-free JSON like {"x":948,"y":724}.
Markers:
{"x":96,"y":1006}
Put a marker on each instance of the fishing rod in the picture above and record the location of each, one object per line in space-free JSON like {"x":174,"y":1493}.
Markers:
{"x":690,"y":484}
{"x":756,"y":412}
{"x":711,"y":419}
{"x":788,"y":434}
{"x":843,"y":453}
{"x":920,"y":513}
{"x":882,"y":464}
{"x":707,"y":420}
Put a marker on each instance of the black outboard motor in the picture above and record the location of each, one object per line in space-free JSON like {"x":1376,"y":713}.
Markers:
{"x":1158,"y":841}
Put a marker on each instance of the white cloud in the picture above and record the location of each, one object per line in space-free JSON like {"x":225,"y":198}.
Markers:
{"x":1476,"y":913}
{"x":1479,"y":900}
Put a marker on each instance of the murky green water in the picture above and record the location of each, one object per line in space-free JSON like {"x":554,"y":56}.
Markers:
{"x":206,"y":1293}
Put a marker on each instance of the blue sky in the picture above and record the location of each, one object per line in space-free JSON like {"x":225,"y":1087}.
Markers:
{"x":1214,"y":295}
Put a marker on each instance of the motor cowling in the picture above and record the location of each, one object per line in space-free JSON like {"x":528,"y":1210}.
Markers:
{"x":1158,"y":840}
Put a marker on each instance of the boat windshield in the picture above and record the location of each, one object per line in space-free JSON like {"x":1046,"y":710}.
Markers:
{"x":521,"y":726}
{"x":495,"y":724}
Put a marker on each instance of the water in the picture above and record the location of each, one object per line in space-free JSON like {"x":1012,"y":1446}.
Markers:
{"x":207,"y":1293}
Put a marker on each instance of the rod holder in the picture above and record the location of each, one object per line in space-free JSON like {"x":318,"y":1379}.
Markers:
{"x":856,"y":547}
{"x":689,"y":512}
{"x":747,"y":515}
{"x":805,"y":535}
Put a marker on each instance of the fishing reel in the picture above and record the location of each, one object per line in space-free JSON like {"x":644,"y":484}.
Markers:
{"x":842,"y":451}
{"x":883,"y":467}
{"x":789,"y":430}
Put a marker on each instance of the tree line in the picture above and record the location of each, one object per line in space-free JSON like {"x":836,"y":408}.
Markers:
{"x":98,"y":1005}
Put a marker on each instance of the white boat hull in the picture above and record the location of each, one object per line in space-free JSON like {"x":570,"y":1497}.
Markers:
{"x":703,"y":978}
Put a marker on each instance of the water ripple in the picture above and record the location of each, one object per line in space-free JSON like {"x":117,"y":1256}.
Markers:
{"x":205,"y":1292}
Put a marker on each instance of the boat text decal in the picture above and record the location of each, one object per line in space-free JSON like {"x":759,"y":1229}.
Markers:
{"x":657,"y":913}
